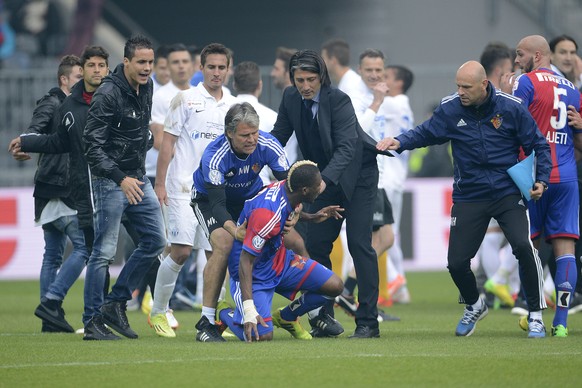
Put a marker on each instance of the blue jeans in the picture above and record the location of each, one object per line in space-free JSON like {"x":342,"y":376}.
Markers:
{"x":55,"y":285}
{"x":146,"y":217}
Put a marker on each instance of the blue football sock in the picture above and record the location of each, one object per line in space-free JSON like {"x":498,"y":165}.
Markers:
{"x":228,"y":319}
{"x":565,"y":281}
{"x":306,"y":302}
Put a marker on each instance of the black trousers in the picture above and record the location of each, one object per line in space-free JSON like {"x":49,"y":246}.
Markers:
{"x":358,"y":216}
{"x":469,"y":222}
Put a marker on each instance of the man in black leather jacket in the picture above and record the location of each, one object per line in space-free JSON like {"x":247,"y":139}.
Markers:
{"x":53,"y":206}
{"x":117,"y":138}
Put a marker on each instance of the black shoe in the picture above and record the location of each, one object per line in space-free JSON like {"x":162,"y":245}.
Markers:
{"x":114,"y":316}
{"x":365,"y":332}
{"x":327,"y":325}
{"x":207,"y":332}
{"x":347,"y":303}
{"x":48,"y":327}
{"x":385,"y":317}
{"x":95,"y":330}
{"x":50,"y":310}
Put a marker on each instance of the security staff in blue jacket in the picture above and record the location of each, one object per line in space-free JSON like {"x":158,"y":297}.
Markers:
{"x":487,"y":128}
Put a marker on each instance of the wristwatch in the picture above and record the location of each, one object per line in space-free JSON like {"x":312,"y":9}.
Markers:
{"x":543,"y":184}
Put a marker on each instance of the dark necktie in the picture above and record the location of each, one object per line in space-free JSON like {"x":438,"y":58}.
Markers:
{"x":309,"y":111}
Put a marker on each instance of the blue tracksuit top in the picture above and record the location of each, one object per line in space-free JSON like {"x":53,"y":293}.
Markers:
{"x":485,"y":142}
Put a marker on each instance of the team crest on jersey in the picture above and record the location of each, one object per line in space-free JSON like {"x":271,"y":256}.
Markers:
{"x":258,"y":242}
{"x":256,"y":168}
{"x":215,"y":177}
{"x":298,"y":262}
{"x":497,"y":120}
{"x":283,"y":162}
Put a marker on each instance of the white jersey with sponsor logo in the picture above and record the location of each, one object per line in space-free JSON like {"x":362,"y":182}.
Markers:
{"x":196,"y":118}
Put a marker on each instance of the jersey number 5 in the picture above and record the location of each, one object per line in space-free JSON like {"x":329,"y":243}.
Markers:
{"x":559,"y":122}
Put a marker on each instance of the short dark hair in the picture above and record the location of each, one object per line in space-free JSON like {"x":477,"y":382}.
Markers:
{"x":136,"y":42}
{"x":339,"y":49}
{"x":303,"y":173}
{"x":492,"y":54}
{"x":554,"y":42}
{"x":240,"y":113}
{"x":215,"y":48}
{"x":176,"y":47}
{"x":94,"y":51}
{"x":161,"y":52}
{"x":284,"y":54}
{"x":371,"y":53}
{"x":247,"y":77}
{"x":311,"y":61}
{"x":403,"y":74}
{"x":66,"y":66}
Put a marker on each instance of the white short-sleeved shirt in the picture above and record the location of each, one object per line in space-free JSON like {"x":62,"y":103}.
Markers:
{"x":394,"y":117}
{"x":160,"y":106}
{"x":196,"y":118}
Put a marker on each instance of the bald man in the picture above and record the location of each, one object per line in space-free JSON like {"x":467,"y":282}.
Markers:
{"x":486,"y":128}
{"x":549,"y":96}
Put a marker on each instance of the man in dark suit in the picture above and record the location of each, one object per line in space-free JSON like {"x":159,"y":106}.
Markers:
{"x":328,"y":133}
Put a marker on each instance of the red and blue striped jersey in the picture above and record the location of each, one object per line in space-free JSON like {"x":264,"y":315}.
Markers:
{"x":547,"y":96}
{"x":266,"y":214}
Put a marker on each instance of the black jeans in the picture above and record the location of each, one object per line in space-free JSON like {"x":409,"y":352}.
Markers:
{"x":469,"y":222}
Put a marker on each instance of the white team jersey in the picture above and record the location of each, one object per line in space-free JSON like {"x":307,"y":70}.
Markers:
{"x":161,"y":102}
{"x":351,"y":83}
{"x":394,"y":117}
{"x":196,"y":118}
{"x":160,"y":106}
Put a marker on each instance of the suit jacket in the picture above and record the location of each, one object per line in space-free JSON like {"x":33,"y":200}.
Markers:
{"x":342,"y":138}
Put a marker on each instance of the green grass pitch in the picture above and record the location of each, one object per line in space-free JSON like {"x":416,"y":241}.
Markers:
{"x":420,"y":350}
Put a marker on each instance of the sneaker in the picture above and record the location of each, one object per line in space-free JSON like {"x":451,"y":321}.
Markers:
{"x":383,"y":302}
{"x":523,"y":323}
{"x":207,"y":332}
{"x":520,"y":307}
{"x":293,"y":327}
{"x":96,"y":330}
{"x":467,"y":324}
{"x":133,"y":304}
{"x":114,"y":316}
{"x":172,"y":321}
{"x":402,"y":296}
{"x":51,"y":310}
{"x":326,"y":324}
{"x":48,"y":327}
{"x":395,"y":285}
{"x":385,"y":317}
{"x":221,"y":306}
{"x":147,"y":302}
{"x":159,"y":323}
{"x":365,"y":332}
{"x":575,"y":304}
{"x":501,"y":291}
{"x":536,"y":328}
{"x":559,"y":331}
{"x":347,"y":303}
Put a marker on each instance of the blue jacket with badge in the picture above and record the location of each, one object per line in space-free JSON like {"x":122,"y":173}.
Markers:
{"x":485,"y":142}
